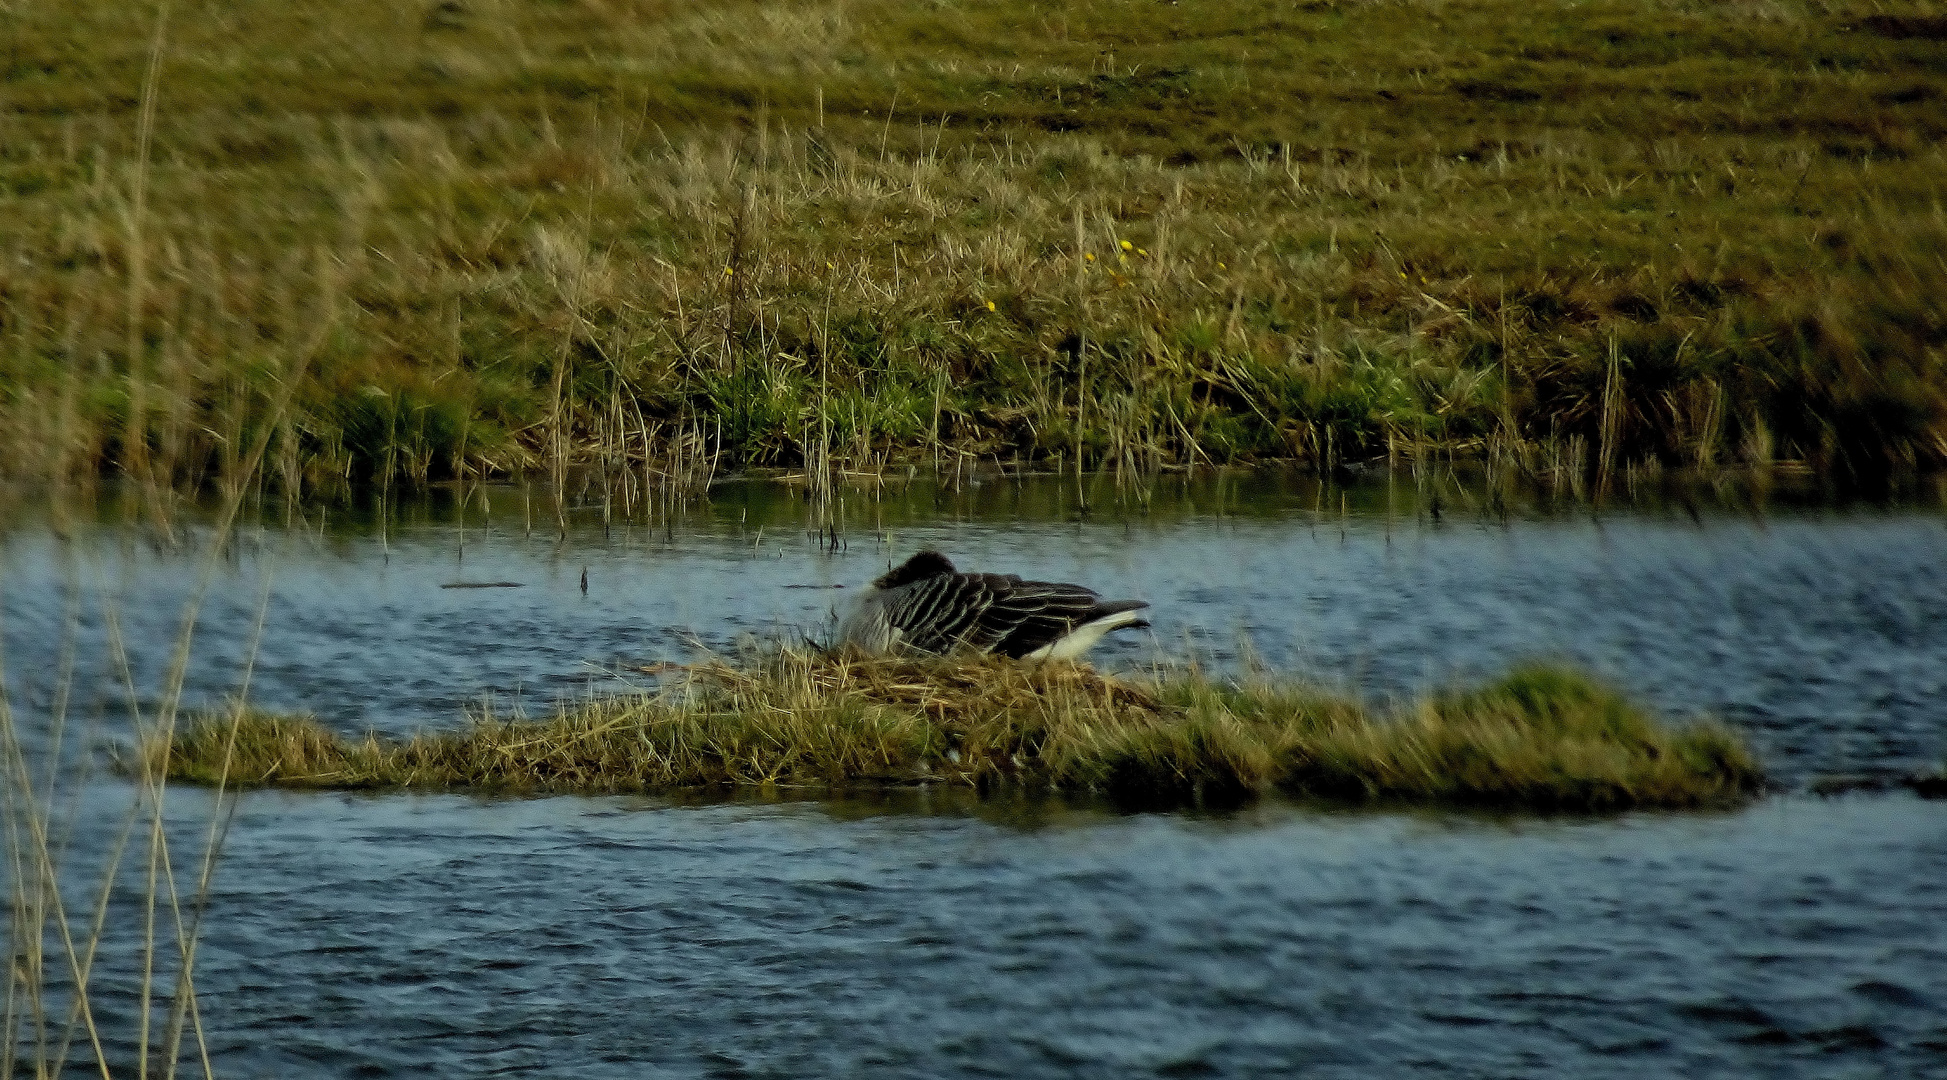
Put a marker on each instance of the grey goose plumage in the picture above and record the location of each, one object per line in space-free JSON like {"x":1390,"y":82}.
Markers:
{"x":927,"y":606}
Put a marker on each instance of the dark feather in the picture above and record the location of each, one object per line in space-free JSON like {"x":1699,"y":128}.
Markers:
{"x":940,"y":610}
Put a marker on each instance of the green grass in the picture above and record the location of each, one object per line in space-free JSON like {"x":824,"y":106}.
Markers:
{"x":486,"y":235}
{"x":1541,"y":738}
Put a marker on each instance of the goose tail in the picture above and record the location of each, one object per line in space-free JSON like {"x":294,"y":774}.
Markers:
{"x":1105,"y":618}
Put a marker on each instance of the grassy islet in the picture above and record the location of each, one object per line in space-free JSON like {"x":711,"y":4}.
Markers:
{"x":1542,"y":737}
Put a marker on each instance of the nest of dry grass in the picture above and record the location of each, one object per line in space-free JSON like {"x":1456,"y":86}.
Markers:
{"x":1542,"y":738}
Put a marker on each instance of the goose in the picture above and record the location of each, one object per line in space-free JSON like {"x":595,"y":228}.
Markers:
{"x":925,"y":605}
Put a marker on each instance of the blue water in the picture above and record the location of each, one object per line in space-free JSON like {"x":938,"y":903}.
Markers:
{"x":395,"y":936}
{"x":930,"y":934}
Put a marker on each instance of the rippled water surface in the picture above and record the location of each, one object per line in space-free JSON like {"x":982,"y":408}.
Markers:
{"x":598,"y":937}
{"x":924,"y":934}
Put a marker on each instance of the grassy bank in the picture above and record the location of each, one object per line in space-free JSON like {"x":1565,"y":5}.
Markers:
{"x":1541,"y":738}
{"x":480,"y":236}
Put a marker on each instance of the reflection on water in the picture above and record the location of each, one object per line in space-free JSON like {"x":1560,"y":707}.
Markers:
{"x":925,"y":933}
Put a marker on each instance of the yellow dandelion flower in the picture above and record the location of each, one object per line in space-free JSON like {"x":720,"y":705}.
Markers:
{"x":1126,"y":245}
{"x":1090,"y":256}
{"x":727,"y":271}
{"x":990,"y":305}
{"x":1221,"y":266}
{"x":1143,"y":253}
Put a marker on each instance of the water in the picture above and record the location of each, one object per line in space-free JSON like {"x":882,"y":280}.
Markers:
{"x":926,"y":934}
{"x":610,"y":938}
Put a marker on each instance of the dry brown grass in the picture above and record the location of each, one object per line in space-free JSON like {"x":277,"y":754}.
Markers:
{"x":1542,"y":738}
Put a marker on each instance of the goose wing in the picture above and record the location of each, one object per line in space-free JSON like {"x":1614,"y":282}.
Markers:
{"x":936,"y":614}
{"x":988,"y":612}
{"x":1034,"y":614}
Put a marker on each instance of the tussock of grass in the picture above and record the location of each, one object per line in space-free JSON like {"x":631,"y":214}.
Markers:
{"x":1542,"y":738}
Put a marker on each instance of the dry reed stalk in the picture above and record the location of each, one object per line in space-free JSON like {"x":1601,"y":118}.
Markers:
{"x":165,"y":928}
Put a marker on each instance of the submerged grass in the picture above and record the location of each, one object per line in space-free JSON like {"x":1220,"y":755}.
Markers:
{"x":1540,"y":738}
